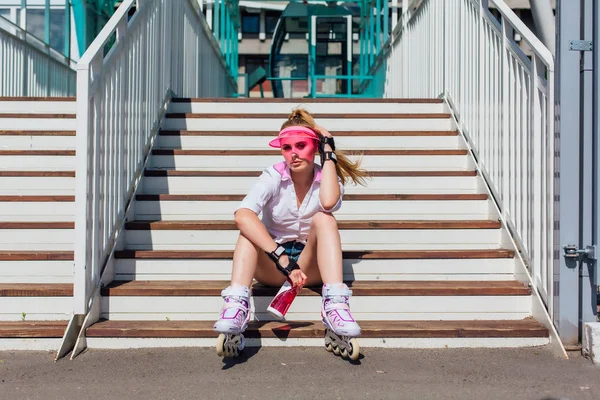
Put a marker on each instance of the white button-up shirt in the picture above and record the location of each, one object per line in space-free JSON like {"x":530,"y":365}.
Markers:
{"x":274,"y":195}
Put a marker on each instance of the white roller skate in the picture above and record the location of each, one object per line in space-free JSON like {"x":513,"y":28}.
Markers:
{"x":233,"y":321}
{"x":341,"y":328}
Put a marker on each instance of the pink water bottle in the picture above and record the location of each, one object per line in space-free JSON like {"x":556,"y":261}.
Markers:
{"x":283,"y":300}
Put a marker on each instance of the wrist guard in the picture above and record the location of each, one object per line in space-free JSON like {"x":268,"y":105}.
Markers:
{"x":329,"y":155}
{"x":276,"y":254}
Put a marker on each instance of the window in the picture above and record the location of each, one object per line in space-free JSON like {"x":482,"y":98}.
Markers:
{"x":250,"y":25}
{"x":271,"y":19}
{"x":35,"y":25}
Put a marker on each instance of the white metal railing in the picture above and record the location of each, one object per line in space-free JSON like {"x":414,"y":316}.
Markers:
{"x":165,"y":49}
{"x":502,"y":99}
{"x":30,"y":68}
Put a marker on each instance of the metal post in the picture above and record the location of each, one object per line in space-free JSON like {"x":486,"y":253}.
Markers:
{"x":377,"y":26}
{"x":394,"y":14}
{"x":566,"y":279}
{"x":386,"y":13}
{"x":596,"y":131}
{"x":371,"y":36}
{"x":588,"y":288}
{"x":349,"y":53}
{"x":67,"y":28}
{"x":217,"y":11}
{"x":23,"y":17}
{"x":47,"y":22}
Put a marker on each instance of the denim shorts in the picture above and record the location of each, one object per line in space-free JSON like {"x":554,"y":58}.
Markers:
{"x":293,"y":249}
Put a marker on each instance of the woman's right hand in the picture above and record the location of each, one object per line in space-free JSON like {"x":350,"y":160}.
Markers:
{"x":297,"y":277}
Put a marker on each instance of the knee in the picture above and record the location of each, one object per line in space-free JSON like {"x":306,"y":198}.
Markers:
{"x":323,"y":219}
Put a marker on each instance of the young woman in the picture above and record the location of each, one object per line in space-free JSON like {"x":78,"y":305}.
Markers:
{"x":297,"y":238}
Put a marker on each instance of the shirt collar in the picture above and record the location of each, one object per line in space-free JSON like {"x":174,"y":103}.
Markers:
{"x":284,"y":171}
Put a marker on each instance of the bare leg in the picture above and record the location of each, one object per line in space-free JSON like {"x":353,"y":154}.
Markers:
{"x":249,"y":262}
{"x":321,"y":259}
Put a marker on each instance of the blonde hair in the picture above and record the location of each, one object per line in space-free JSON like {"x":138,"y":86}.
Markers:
{"x":345,"y":168}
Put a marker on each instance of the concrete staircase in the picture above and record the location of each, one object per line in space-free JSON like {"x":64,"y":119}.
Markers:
{"x":37,"y":187}
{"x":428,"y":261}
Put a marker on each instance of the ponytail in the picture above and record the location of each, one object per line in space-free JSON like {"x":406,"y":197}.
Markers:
{"x":345,"y":168}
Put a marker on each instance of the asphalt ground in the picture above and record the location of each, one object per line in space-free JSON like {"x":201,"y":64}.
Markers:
{"x":300,"y":373}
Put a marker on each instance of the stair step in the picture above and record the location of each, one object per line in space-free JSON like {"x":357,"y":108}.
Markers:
{"x":284,"y":116}
{"x":240,"y":182}
{"x":342,"y":122}
{"x":364,"y":255}
{"x":242,"y":100}
{"x":347,"y":197}
{"x":32,"y":105}
{"x":373,"y":207}
{"x":35,"y":290}
{"x":37,"y":174}
{"x":345,"y":140}
{"x":359,"y":288}
{"x":256,"y":160}
{"x":51,"y":133}
{"x":37,"y":183}
{"x":313,"y":108}
{"x":371,"y":300}
{"x":238,"y":153}
{"x":36,"y":116}
{"x":315,"y":329}
{"x":32,"y":329}
{"x":37,"y":225}
{"x":37,"y":199}
{"x":230,"y":225}
{"x":187,"y":173}
{"x":361,"y":133}
{"x":36,"y":255}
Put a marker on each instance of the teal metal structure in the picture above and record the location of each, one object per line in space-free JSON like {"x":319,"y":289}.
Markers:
{"x":329,"y":25}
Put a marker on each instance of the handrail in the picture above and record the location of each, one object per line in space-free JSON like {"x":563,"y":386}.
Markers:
{"x":158,"y":52}
{"x":29,"y":67}
{"x":503,"y":101}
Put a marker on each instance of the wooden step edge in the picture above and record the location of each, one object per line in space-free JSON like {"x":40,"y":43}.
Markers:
{"x":344,"y":225}
{"x":315,"y":115}
{"x":37,"y":225}
{"x":37,"y":199}
{"x":315,"y":329}
{"x":32,"y":329}
{"x":36,"y":289}
{"x":38,"y":98}
{"x":37,"y":133}
{"x":238,"y":153}
{"x":37,"y":153}
{"x":373,"y":174}
{"x":37,"y":116}
{"x":305,"y":100}
{"x":336,"y":133}
{"x":38,"y":174}
{"x":37,"y":256}
{"x":348,"y":255}
{"x":359,"y":288}
{"x":347,"y":197}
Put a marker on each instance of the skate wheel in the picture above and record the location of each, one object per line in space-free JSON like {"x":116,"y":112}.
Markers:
{"x":344,"y":353}
{"x":336,"y":350}
{"x":355,"y":352}
{"x":220,"y":343}
{"x":329,"y":347}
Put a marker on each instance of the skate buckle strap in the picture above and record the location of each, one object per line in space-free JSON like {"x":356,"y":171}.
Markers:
{"x":336,"y":306}
{"x":332,"y":291}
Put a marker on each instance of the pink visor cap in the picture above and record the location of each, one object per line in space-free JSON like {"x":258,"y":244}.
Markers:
{"x":293,"y":131}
